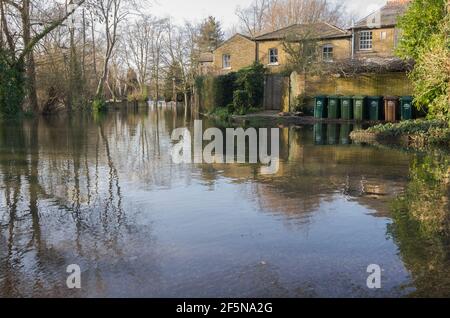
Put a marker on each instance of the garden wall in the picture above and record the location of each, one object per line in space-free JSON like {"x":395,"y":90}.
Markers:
{"x":393,"y":84}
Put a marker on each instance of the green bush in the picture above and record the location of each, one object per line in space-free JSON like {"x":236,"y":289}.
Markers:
{"x":224,"y":86}
{"x":408,"y":127}
{"x":99,"y":105}
{"x":219,"y":91}
{"x":241,"y":101}
{"x":425,"y":28}
{"x":12,"y":83}
{"x":432,"y":132}
{"x":251,"y":80}
{"x":222,"y":114}
{"x":431,"y":81}
{"x":421,"y":21}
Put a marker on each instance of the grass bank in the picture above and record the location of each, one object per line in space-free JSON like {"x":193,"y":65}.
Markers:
{"x":418,"y":134}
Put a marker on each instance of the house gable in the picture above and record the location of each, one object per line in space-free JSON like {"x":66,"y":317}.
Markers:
{"x":377,"y":35}
{"x":234,"y":54}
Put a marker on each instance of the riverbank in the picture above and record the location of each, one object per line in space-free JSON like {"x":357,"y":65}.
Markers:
{"x":275,"y":117}
{"x":415,"y":134}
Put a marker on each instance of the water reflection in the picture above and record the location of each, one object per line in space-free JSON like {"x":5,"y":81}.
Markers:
{"x":422,"y":226}
{"x":102,"y":192}
{"x":333,"y":134}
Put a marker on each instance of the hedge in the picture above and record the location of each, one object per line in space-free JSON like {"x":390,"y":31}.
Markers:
{"x":242,"y":90}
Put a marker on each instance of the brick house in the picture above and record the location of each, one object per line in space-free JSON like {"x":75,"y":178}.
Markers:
{"x":333,"y":42}
{"x":377,"y":35}
{"x":234,"y":54}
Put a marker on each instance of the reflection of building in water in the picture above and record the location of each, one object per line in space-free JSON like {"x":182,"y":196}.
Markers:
{"x":309,"y":174}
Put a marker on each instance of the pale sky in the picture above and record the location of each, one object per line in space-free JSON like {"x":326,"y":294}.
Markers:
{"x":224,"y":10}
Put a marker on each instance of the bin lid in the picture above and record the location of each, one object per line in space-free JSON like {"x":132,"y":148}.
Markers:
{"x":321,"y":96}
{"x":390,"y":97}
{"x":375,"y":97}
{"x":406,"y":98}
{"x":346,"y":97}
{"x":359,"y":97}
{"x":334,"y":96}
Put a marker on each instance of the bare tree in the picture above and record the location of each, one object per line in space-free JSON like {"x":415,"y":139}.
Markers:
{"x":270,"y":15}
{"x":157,"y":43}
{"x":252,"y":17}
{"x":143,"y":48}
{"x":182,"y":51}
{"x":110,"y":14}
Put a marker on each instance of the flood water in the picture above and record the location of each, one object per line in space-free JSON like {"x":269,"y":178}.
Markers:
{"x":103,"y":193}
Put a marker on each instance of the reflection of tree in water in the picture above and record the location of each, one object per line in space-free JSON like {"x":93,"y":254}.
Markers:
{"x":61,"y":202}
{"x":421,"y":226}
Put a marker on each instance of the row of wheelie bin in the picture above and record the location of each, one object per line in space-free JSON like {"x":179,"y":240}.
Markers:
{"x":361,"y":108}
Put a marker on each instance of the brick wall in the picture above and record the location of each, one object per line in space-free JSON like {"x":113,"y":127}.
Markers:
{"x":341,"y":50}
{"x":241,"y":50}
{"x":380,"y":47}
{"x":387,"y":84}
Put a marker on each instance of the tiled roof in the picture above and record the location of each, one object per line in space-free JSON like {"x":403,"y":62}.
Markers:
{"x":320,"y":30}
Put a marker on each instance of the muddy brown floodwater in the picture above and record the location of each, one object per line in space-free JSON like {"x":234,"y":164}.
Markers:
{"x":102,"y":192}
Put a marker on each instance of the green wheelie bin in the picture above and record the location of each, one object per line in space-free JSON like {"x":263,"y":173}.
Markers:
{"x":347,"y":107}
{"x":319,"y":134}
{"x":320,"y":107}
{"x":406,"y":108}
{"x":375,"y":108}
{"x":360,"y":108}
{"x":334,"y":107}
{"x":332,"y":134}
{"x":345,"y":134}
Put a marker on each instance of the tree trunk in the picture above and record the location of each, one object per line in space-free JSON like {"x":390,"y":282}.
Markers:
{"x":29,"y":58}
{"x":102,"y":80}
{"x":94,"y":52}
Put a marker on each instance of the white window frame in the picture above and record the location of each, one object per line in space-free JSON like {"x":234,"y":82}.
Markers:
{"x":273,"y":56}
{"x":327,"y":53}
{"x":383,"y":35}
{"x":226,"y":61}
{"x":365,"y":40}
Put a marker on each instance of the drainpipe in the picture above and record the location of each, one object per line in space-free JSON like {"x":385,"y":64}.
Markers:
{"x":353,"y":39}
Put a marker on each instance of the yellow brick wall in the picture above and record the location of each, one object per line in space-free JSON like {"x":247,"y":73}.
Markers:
{"x":241,"y":50}
{"x":341,"y":50}
{"x":387,"y":84}
{"x":381,"y":48}
{"x":263,"y":55}
{"x":363,"y":84}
